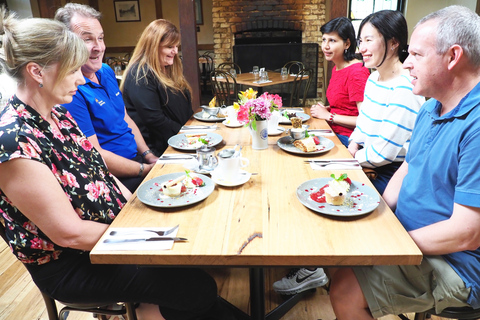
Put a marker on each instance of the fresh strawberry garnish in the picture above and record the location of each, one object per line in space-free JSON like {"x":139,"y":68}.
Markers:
{"x":198,"y":182}
{"x":183,"y":189}
{"x":347,"y":180}
{"x":316,"y":140}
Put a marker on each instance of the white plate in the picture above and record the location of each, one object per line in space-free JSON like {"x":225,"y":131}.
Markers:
{"x":199,"y":116}
{"x":236,"y":125}
{"x":365,"y":199}
{"x":244,"y":177}
{"x":149,"y":192}
{"x":286,"y":143}
{"x":180,"y":141}
{"x":300,"y":115}
{"x":276,"y":132}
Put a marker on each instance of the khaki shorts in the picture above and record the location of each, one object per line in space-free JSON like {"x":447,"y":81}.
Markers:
{"x":404,"y":289}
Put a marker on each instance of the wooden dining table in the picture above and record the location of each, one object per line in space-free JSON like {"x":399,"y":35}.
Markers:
{"x":274,"y":78}
{"x":262,"y":223}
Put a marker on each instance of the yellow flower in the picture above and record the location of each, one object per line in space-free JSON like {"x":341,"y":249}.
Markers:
{"x":249,"y":93}
{"x":236,"y":106}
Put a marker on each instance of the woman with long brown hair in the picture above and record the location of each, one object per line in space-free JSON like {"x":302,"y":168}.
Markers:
{"x":156,"y":94}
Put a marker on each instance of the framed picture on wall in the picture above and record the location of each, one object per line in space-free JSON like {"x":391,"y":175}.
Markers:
{"x":127,"y":10}
{"x":198,"y":12}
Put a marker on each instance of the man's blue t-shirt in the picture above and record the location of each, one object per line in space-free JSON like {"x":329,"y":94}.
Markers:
{"x":443,"y":169}
{"x":100,"y":110}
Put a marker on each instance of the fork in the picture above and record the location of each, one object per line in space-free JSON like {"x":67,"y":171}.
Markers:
{"x":341,"y":163}
{"x":160,"y":233}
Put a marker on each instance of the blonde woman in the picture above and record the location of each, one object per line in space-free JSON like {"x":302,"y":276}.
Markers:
{"x":156,"y":94}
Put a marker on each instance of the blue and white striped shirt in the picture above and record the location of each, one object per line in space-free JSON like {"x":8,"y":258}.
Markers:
{"x":386,"y":120}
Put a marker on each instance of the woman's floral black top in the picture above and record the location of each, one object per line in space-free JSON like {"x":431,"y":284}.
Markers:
{"x":78,"y":167}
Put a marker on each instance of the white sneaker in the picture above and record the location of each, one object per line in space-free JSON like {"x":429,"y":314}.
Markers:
{"x":298,"y":280}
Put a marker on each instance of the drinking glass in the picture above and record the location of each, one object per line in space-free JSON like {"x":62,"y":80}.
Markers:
{"x":255,"y":72}
{"x":284,"y":73}
{"x":233,"y":73}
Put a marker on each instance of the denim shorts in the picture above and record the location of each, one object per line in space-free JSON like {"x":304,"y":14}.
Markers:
{"x":406,"y":289}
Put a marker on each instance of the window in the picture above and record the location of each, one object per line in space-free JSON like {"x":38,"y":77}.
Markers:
{"x":359,"y":9}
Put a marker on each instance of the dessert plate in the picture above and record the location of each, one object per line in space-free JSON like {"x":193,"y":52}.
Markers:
{"x":203,"y":116}
{"x":180,"y":141}
{"x":244,"y":177}
{"x":149,"y":192}
{"x":364,"y":199}
{"x":286,"y":143}
{"x":276,"y":132}
{"x":233,"y":125}
{"x":301,"y":115}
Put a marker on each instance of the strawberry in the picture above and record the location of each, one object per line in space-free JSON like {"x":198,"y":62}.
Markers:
{"x":347,"y":180}
{"x":198,"y":182}
{"x":316,"y":140}
{"x":183,"y":189}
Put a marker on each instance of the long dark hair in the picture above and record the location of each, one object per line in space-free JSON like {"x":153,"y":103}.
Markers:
{"x":390,"y":24}
{"x":344,"y":28}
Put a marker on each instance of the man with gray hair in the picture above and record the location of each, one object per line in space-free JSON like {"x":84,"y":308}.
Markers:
{"x":98,"y":106}
{"x":436,"y":191}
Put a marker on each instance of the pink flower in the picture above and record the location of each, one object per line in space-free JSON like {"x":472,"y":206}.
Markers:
{"x":68,"y":179}
{"x":120,"y":204}
{"x":31,"y":227}
{"x":93,"y":192}
{"x":29,"y":150}
{"x":36,"y":243}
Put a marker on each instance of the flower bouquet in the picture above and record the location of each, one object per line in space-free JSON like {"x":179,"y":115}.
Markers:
{"x":251,"y":109}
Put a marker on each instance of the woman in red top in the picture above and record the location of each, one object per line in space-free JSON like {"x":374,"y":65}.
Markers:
{"x":349,"y":76}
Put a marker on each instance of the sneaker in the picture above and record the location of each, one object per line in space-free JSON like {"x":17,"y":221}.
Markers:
{"x":298,"y":280}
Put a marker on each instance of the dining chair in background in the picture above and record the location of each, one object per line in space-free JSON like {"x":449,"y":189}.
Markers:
{"x":98,"y":310}
{"x":294,"y":67}
{"x":296,"y":95}
{"x":230,"y":65}
{"x":207,"y":67}
{"x":224,"y":87}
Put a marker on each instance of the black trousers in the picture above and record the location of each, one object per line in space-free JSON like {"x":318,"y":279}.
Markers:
{"x":181,"y":293}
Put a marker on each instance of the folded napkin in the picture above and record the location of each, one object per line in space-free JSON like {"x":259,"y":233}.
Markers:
{"x":321,"y":132}
{"x":266,"y":81}
{"x":199,"y":129}
{"x":334,"y":164}
{"x":136,"y":233}
{"x":176,"y":158}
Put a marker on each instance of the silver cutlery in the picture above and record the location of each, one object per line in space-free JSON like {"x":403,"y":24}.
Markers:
{"x":160,"y":233}
{"x":144,"y":239}
{"x":196,"y":127}
{"x":252,"y":174}
{"x":326,"y":160}
{"x":324,"y":164}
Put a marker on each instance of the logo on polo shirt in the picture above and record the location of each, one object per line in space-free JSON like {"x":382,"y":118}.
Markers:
{"x":118,"y":93}
{"x":100,"y":102}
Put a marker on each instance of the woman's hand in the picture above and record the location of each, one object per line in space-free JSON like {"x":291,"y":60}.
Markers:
{"x":320,"y":111}
{"x":353,"y":148}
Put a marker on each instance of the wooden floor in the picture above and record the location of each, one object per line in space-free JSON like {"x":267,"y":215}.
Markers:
{"x":21,"y":300}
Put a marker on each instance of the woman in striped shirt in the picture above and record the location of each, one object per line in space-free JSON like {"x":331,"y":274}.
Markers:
{"x":387,"y":116}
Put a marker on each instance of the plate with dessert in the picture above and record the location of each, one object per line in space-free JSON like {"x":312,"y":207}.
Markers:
{"x":203,"y":116}
{"x":175,"y":189}
{"x":294,"y":114}
{"x":338,"y":196}
{"x":310,"y":145}
{"x":193,"y":141}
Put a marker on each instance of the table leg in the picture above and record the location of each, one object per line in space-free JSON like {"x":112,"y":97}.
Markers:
{"x":257,"y":293}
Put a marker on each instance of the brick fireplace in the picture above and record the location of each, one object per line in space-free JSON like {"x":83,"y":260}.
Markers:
{"x":248,"y":21}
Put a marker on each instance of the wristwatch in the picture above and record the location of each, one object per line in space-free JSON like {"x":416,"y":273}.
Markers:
{"x":141,"y":170}
{"x":144,"y":154}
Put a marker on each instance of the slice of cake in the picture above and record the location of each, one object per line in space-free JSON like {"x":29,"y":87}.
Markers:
{"x":337,"y":190}
{"x":306,"y":145}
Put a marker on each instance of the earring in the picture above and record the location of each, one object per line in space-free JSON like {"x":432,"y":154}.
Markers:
{"x":345,"y":50}
{"x":40,"y":85}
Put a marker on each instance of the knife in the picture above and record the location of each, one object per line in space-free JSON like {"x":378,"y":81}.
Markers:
{"x":143,"y":239}
{"x":333,"y":160}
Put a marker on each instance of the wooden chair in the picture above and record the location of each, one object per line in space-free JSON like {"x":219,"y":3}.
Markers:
{"x":297,"y":94}
{"x":230,"y":65}
{"x":224,"y":87}
{"x":294,"y":67}
{"x":98,"y":310}
{"x":463,"y":313}
{"x":207,"y":68}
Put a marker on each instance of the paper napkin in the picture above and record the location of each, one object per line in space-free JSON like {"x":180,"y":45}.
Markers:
{"x":321,"y":132}
{"x":333,"y":165}
{"x":136,"y":233}
{"x":180,"y":158}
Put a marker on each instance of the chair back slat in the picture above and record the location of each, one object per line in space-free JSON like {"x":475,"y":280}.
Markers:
{"x":224,"y":87}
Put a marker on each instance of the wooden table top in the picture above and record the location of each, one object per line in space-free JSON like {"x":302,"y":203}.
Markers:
{"x":219,"y":227}
{"x":248,"y":79}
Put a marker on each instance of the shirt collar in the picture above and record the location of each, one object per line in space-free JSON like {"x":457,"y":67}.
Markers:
{"x":470,"y":101}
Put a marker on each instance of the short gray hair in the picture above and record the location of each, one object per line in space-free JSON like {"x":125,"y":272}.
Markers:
{"x":457,"y":25}
{"x":42,"y":41}
{"x":66,"y":13}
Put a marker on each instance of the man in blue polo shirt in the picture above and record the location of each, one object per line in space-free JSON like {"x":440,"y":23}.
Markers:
{"x":98,"y":106}
{"x":436,"y":191}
